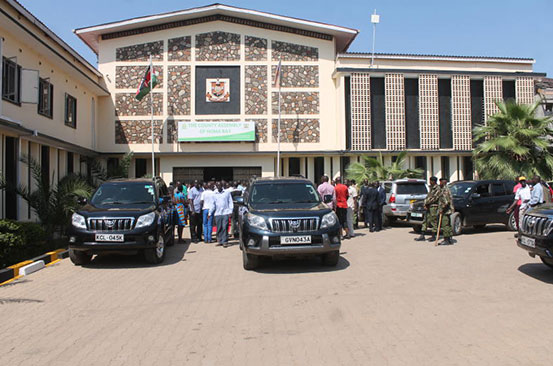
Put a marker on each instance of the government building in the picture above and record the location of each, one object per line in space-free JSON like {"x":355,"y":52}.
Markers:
{"x":216,"y":104}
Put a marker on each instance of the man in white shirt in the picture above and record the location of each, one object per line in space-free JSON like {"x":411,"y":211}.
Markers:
{"x":222,"y":209}
{"x":207,"y":201}
{"x":352,"y":203}
{"x":537,"y":192}
{"x":524,"y":194}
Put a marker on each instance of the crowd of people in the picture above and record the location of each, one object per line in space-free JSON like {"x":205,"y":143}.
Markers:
{"x":528,"y":194}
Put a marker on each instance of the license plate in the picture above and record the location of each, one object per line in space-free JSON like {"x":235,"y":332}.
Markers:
{"x":416,"y":214}
{"x":110,"y":237}
{"x":529,"y":242}
{"x":300,"y":239}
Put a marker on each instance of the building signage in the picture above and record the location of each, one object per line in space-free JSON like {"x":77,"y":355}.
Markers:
{"x":217,"y":90}
{"x":216,"y":131}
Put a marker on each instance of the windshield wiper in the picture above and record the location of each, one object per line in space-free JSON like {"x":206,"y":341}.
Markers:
{"x":305,"y":202}
{"x":141,"y":202}
{"x":273,"y":202}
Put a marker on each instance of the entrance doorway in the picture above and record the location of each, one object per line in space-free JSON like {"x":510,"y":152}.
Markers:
{"x":219,"y":173}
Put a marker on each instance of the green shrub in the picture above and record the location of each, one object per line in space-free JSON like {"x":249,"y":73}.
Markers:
{"x":20,"y":241}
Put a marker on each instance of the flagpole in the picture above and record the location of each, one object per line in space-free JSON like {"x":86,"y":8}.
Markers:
{"x":152,"y":116}
{"x":278,"y":123}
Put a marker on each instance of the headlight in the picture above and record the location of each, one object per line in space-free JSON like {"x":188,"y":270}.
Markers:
{"x":257,"y":222}
{"x":78,"y":221}
{"x":146,"y":220}
{"x":329,"y":220}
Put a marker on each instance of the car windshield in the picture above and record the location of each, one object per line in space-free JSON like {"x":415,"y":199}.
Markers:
{"x":124,"y":194}
{"x":460,"y":189}
{"x":279,"y":193}
{"x":411,"y":188}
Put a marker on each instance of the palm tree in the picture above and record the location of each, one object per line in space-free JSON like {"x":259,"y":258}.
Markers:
{"x":373,"y":169}
{"x":101,"y":174}
{"x":514,"y":142}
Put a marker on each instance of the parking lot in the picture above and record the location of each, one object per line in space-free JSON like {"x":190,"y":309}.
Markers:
{"x":390,"y":301}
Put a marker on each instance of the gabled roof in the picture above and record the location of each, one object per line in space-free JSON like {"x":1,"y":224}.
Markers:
{"x":90,"y":35}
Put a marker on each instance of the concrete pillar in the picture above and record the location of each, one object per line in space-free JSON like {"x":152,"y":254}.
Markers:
{"x":310,"y":174}
{"x":303,"y":159}
{"x":336,"y":166}
{"x":327,"y":166}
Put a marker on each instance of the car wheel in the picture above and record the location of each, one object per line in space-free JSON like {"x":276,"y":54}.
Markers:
{"x":547,"y":261}
{"x":417,"y":228}
{"x":512,"y":224}
{"x":388,"y":220}
{"x":79,"y":258}
{"x":479,"y":227}
{"x":157,"y":254}
{"x":456,"y":224}
{"x":331,"y":258}
{"x":171,"y":240}
{"x":250,"y":261}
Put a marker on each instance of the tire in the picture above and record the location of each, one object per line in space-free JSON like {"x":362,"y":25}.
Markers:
{"x":250,"y":261}
{"x":156,"y":255}
{"x":79,"y":258}
{"x":457,"y":224}
{"x":171,"y":240}
{"x":479,"y":227}
{"x":417,"y":228}
{"x":388,"y":220}
{"x":547,"y":261}
{"x":331,"y":258}
{"x":511,"y":224}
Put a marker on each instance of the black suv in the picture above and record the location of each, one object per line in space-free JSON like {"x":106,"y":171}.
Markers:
{"x":535,"y":235}
{"x":124,"y":215}
{"x":476,"y":204}
{"x":286,"y":217}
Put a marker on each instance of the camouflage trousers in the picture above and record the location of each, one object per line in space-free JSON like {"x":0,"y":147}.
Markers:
{"x":431,"y":222}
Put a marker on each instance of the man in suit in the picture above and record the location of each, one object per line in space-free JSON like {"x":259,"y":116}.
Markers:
{"x":370,"y":205}
{"x":381,"y":202}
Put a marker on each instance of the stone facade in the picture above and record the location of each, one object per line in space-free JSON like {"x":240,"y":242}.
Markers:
{"x":297,"y":76}
{"x":140,"y":52}
{"x":256,"y":89}
{"x":138,"y":132}
{"x":261,"y":133}
{"x":218,"y":46}
{"x":256,"y":48}
{"x":297,"y":130}
{"x":172,"y":130}
{"x":296,"y":103}
{"x":129,"y":77}
{"x":293,"y":52}
{"x":179,"y":49}
{"x":178,"y":90}
{"x":127,"y":105}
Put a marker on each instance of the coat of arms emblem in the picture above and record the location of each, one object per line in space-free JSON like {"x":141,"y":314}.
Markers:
{"x":217,"y":90}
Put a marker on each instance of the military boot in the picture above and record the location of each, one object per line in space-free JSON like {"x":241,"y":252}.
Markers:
{"x":432,"y":238}
{"x":420,"y":238}
{"x":447,"y":241}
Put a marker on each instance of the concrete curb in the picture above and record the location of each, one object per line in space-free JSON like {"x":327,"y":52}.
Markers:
{"x":25,"y":268}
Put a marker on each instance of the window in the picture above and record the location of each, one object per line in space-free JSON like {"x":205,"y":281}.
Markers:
{"x":45,"y":98}
{"x":293,"y":167}
{"x":498,"y":189}
{"x":11,"y":81}
{"x":70,"y":162}
{"x":445,"y":167}
{"x":482,"y":190}
{"x":70,"y":111}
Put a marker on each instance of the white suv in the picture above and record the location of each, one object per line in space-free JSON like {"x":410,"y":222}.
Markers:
{"x":400,"y":193}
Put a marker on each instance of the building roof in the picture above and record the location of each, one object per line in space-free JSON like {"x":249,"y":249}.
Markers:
{"x":90,"y":35}
{"x":412,"y":56}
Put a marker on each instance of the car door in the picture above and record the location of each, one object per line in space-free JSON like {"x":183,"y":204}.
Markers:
{"x":502,"y":200}
{"x":478,"y":206}
{"x":164,"y":207}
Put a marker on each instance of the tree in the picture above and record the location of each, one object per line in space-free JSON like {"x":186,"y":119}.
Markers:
{"x":514,"y":142}
{"x":373,"y":169}
{"x":101,"y":174}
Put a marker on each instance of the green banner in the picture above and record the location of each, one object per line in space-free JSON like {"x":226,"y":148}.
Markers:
{"x":216,"y":131}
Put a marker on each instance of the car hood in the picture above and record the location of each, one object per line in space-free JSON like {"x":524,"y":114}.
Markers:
{"x":283,"y":210}
{"x":545,"y":210}
{"x":91,"y":210}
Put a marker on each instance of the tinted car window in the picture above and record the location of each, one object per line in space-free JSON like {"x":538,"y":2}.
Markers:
{"x":460,"y":189}
{"x":509,"y":187}
{"x":482,"y":190}
{"x":275,"y":193}
{"x":411,"y":188}
{"x":130,"y":194}
{"x":498,"y":189}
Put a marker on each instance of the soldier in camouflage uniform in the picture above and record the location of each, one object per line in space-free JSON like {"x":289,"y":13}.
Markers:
{"x":445,"y":205}
{"x":431,"y":205}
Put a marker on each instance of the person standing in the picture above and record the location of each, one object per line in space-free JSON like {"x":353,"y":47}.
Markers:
{"x":222,"y":209}
{"x":370,"y":206}
{"x":381,"y":203}
{"x":207,"y":201}
{"x":445,"y":205}
{"x":352,"y":204}
{"x":364,"y":189}
{"x":537,"y":197}
{"x":195,"y":203}
{"x":431,"y":205}
{"x":326,"y":190}
{"x":516,"y":209}
{"x":524,"y":195}
{"x":341,"y":192}
{"x":179,"y":200}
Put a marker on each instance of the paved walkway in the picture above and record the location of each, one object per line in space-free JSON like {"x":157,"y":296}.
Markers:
{"x":390,"y":301}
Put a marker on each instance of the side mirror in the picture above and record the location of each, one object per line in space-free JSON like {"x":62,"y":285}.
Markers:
{"x":82,"y":201}
{"x":239,"y":200}
{"x":475,"y":196}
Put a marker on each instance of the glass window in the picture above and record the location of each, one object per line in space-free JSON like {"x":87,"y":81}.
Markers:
{"x":70,"y":111}
{"x":45,"y":98}
{"x":460,"y":189}
{"x":276,"y":193}
{"x":411,"y":188}
{"x":11,"y":81}
{"x":498,"y":189}
{"x":131,"y":194}
{"x":482,"y":190}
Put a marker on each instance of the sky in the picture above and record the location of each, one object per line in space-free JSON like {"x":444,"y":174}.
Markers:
{"x":509,"y":28}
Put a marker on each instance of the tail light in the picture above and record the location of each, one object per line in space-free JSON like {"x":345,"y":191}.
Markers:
{"x":393,"y":198}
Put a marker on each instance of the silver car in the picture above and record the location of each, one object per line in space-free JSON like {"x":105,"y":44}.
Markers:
{"x":400,"y":194}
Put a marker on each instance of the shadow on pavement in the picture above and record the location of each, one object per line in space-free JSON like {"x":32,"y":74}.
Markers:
{"x":538,"y":271}
{"x":173,"y":255}
{"x":299,"y":265}
{"x":19,"y":301}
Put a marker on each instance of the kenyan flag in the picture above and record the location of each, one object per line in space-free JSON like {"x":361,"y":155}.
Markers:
{"x":148,"y":83}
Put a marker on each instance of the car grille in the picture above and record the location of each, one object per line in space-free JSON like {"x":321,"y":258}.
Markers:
{"x":111,"y":224}
{"x":294,"y":225}
{"x":536,"y":225}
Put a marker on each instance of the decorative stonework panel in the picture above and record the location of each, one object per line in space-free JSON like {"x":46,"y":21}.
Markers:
{"x":256,"y":48}
{"x":493,"y":91}
{"x":296,"y":76}
{"x":129,"y":77}
{"x":525,"y":90}
{"x":172,"y":130}
{"x":395,"y":112}
{"x":429,"y":118}
{"x":360,"y":112}
{"x":138,"y":132}
{"x":297,"y":130}
{"x":127,"y":105}
{"x":178,"y":90}
{"x":218,"y":46}
{"x":256,"y":89}
{"x":260,"y":129}
{"x":140,"y":52}
{"x":461,"y":112}
{"x":296,"y":102}
{"x":293,"y":52}
{"x":179,"y":49}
